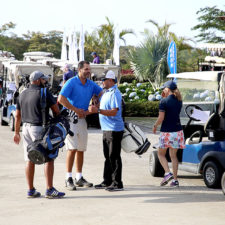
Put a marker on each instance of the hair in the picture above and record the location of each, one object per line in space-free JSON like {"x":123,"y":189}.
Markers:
{"x":177,"y":94}
{"x":81,"y":64}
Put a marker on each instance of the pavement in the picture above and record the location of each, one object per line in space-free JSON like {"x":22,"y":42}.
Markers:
{"x":142,"y":202}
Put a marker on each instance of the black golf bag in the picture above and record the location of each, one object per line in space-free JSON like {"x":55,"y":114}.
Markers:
{"x":46,"y":147}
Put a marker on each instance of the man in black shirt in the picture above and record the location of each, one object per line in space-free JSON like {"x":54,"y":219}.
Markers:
{"x":29,"y":110}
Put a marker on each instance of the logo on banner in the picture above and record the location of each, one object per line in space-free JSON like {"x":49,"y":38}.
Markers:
{"x":172,"y":58}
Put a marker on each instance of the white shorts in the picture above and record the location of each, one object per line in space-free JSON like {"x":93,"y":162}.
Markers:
{"x":30,"y":133}
{"x":79,"y":140}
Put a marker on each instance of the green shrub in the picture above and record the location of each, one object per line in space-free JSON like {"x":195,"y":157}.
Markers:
{"x":127,"y":78}
{"x":145,"y":109}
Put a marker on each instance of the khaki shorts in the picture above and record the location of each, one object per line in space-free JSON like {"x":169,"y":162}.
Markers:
{"x":79,"y":140}
{"x":30,"y":133}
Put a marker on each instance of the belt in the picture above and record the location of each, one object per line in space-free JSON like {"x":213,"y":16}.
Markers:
{"x":33,"y":124}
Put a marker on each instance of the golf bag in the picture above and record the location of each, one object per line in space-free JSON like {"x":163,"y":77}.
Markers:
{"x":134,"y":140}
{"x":46,"y":147}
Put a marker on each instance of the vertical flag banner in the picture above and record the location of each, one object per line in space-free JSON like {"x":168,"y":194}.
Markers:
{"x":172,"y":58}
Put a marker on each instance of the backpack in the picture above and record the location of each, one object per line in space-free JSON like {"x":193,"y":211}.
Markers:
{"x":134,"y":139}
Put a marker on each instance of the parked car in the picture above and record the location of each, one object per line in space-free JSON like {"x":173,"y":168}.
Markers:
{"x":15,"y":79}
{"x":205,"y":140}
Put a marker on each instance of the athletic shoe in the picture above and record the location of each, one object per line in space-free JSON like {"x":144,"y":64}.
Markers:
{"x":174,"y":183}
{"x":33,"y":193}
{"x":53,"y":193}
{"x":166,"y":179}
{"x":115,"y":187}
{"x":70,"y":185}
{"x":103,"y":185}
{"x":83,"y":183}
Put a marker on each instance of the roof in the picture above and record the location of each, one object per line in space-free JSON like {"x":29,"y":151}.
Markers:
{"x":199,"y":75}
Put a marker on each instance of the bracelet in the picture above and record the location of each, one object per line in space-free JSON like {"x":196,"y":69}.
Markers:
{"x":99,"y":110}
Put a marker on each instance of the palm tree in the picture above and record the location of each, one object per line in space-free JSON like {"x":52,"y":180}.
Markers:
{"x":149,"y":60}
{"x":105,"y":34}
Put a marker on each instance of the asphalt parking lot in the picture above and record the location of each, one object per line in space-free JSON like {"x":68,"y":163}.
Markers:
{"x":142,"y":202}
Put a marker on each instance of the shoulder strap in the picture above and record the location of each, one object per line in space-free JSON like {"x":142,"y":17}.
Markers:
{"x":43,"y":106}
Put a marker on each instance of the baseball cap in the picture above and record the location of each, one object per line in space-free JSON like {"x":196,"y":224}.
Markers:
{"x":93,"y":53}
{"x":66,"y":66}
{"x":37,"y":75}
{"x":109,"y":75}
{"x":169,"y":84}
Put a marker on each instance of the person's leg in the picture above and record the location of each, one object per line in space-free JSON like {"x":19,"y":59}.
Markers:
{"x":49,"y":172}
{"x":115,"y":158}
{"x":163,"y":160}
{"x":79,"y":161}
{"x":173,"y":156}
{"x":70,"y":156}
{"x":107,"y":173}
{"x":29,"y":171}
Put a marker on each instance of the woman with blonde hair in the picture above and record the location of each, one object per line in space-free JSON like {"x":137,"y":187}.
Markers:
{"x":171,"y":133}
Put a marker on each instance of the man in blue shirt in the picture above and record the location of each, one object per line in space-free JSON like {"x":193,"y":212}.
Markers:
{"x":75,"y":96}
{"x":110,"y":115}
{"x":96,"y":59}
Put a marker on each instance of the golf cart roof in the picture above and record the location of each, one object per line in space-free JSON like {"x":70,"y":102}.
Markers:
{"x":199,"y":75}
{"x":46,"y":54}
{"x":16,"y":70}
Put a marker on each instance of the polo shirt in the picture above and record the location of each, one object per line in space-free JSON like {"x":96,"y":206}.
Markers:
{"x":78,"y":94}
{"x":96,"y":60}
{"x":29,"y":103}
{"x":69,"y":74}
{"x":172,"y":107}
{"x":111,"y":99}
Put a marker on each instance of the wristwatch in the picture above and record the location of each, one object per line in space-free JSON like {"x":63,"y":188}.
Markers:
{"x":99,"y":110}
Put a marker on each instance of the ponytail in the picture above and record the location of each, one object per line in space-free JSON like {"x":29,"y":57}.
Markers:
{"x":177,"y":94}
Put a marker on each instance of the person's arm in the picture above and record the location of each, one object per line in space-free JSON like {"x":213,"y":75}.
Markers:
{"x":105,"y":112}
{"x":158,"y":121}
{"x":17,"y":127}
{"x":64,"y":101}
{"x":55,"y":110}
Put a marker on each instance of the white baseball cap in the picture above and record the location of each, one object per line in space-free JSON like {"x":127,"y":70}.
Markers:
{"x":109,"y":75}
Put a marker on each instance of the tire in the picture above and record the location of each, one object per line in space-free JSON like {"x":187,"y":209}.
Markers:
{"x":223,"y":183}
{"x":212,"y":175}
{"x":155,"y":167}
{"x":3,"y":123}
{"x":12,"y":123}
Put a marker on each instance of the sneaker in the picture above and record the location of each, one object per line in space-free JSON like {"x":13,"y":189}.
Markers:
{"x":103,"y":185}
{"x":83,"y":183}
{"x":174,"y":183}
{"x":33,"y":193}
{"x":53,"y":193}
{"x":166,"y":179}
{"x":115,"y":187}
{"x":70,"y":185}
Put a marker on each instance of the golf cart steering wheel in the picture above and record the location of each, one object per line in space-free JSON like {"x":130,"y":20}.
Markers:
{"x":189,"y":110}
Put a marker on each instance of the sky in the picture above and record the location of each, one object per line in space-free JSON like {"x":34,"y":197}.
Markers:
{"x":46,"y":15}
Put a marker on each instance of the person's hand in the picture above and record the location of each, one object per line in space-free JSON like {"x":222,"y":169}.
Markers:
{"x":16,"y":138}
{"x":154,"y":129}
{"x":80,"y":113}
{"x":93,"y":109}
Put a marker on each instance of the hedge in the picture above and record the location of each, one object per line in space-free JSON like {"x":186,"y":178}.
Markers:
{"x":127,"y":78}
{"x":145,"y":109}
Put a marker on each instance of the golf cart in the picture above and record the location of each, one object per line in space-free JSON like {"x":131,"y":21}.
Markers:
{"x":203,"y":104}
{"x":15,"y":79}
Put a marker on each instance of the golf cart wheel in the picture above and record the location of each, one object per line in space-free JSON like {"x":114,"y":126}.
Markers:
{"x":223,"y":183}
{"x":212,"y":175}
{"x":12,"y":123}
{"x":3,"y":123}
{"x":155,"y":167}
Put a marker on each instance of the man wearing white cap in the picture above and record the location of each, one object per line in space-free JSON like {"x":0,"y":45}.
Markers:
{"x":110,"y":116}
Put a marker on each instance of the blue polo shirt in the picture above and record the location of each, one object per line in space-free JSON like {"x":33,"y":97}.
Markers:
{"x":111,"y":99}
{"x":79,"y":95}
